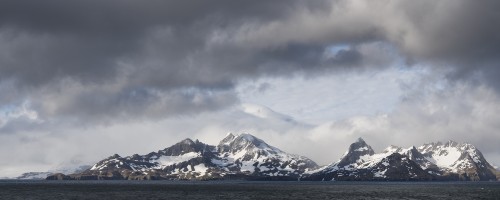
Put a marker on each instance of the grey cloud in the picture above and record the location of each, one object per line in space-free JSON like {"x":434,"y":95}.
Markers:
{"x":460,"y":34}
{"x":154,"y":50}
{"x":160,"y":49}
{"x":95,"y":106}
{"x":85,"y":39}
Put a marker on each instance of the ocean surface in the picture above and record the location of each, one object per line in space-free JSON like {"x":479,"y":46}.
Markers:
{"x":33,"y":189}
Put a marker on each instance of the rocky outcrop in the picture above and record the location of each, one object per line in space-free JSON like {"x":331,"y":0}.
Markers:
{"x":58,"y":176}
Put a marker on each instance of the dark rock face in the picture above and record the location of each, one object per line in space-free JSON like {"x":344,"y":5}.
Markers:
{"x":399,"y":167}
{"x":58,"y":176}
{"x":183,"y":147}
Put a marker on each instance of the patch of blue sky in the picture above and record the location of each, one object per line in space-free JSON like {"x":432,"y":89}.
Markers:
{"x":7,"y":109}
{"x":334,"y":49}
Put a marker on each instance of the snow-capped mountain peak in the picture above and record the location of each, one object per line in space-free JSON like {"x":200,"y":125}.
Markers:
{"x":462,"y":158}
{"x":356,"y":152}
{"x":245,"y":147}
{"x":253,"y":155}
{"x":237,"y":154}
{"x":246,"y":156}
{"x":439,"y":161}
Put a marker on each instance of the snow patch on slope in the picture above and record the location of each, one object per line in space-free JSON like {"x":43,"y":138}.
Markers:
{"x":446,"y":158}
{"x":164,"y":161}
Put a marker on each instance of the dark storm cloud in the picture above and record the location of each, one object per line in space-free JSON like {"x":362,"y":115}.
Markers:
{"x":84,"y":39}
{"x":462,"y":34}
{"x":149,"y":57}
{"x":106,"y":58}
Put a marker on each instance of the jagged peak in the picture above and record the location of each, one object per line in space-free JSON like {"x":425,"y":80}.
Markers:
{"x":412,"y":151}
{"x":356,"y":150}
{"x":114,"y":156}
{"x":247,"y":136}
{"x":412,"y":148}
{"x":360,"y":140}
{"x":451,"y":143}
{"x":187,"y":141}
{"x":227,"y":139}
{"x":237,"y":142}
{"x":360,"y":145}
{"x":467,"y":146}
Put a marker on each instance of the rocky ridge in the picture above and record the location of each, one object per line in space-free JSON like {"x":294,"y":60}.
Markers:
{"x":435,"y":161}
{"x":246,"y":157}
{"x":242,"y":156}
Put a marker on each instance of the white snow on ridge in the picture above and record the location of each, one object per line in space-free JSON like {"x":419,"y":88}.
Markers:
{"x":164,"y":161}
{"x":448,"y":156}
{"x":362,"y":149}
{"x":104,"y":164}
{"x":254,"y":154}
{"x":392,"y":149}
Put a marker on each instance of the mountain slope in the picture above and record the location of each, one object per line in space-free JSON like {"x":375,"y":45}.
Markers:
{"x":186,"y":159}
{"x":361,"y":163}
{"x":247,"y":154}
{"x":237,"y":156}
{"x":434,"y":161}
{"x":246,"y":157}
{"x":464,"y":160}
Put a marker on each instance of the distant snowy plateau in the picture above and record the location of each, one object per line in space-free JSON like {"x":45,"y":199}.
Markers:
{"x":246,"y":157}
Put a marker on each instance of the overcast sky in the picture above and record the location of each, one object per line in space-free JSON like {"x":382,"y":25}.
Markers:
{"x":82,"y":80}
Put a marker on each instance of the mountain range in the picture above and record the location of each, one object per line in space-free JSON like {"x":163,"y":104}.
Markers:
{"x":246,"y":157}
{"x":433,"y":161}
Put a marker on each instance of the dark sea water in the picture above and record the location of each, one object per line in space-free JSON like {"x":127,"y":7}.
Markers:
{"x":17,"y":189}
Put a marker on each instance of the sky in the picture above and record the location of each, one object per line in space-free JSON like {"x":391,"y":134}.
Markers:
{"x":82,"y":80}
